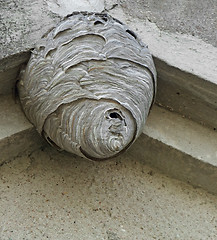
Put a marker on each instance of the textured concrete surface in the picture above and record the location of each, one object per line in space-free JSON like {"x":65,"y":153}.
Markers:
{"x":9,"y":71}
{"x":187,"y":94}
{"x":17,"y":135}
{"x":20,"y":27}
{"x":197,"y":18}
{"x":12,"y":119}
{"x":182,"y":134}
{"x":23,"y":23}
{"x":50,"y":195}
{"x":180,"y":148}
{"x":64,"y":7}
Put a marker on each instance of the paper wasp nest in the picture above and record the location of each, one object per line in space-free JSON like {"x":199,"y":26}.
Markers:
{"x":89,"y":85}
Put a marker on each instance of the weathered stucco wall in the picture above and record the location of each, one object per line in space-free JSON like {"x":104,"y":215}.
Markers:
{"x":19,"y":19}
{"x":197,"y":18}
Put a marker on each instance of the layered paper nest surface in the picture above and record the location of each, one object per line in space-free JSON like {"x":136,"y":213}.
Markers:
{"x":89,"y":85}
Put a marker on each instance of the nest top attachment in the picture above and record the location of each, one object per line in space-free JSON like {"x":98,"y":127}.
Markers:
{"x":89,"y":85}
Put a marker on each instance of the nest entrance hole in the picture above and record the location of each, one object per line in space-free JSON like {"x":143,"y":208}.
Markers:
{"x":115,"y":115}
{"x":98,"y":22}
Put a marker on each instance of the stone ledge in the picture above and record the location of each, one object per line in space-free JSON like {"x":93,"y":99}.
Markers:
{"x":175,"y":145}
{"x":180,"y":148}
{"x":187,"y":94}
{"x":17,"y":135}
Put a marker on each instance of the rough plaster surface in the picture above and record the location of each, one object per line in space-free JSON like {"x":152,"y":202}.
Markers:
{"x":64,"y":7}
{"x":50,"y":195}
{"x":187,"y":94}
{"x":21,"y":25}
{"x":196,"y":18}
{"x":180,"y":148}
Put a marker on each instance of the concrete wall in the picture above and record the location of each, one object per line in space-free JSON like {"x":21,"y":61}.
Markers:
{"x":197,"y":18}
{"x":19,"y":19}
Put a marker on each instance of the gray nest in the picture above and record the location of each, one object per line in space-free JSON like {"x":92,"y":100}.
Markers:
{"x":89,"y":85}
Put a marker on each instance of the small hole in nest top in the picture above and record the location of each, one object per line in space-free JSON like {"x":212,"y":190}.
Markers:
{"x":131,"y":33}
{"x":115,"y":115}
{"x":105,"y":19}
{"x":97,"y":22}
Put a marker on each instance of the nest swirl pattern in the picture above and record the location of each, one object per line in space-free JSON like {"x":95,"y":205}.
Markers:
{"x":89,"y":85}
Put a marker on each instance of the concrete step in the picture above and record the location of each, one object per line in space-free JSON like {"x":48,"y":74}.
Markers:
{"x":17,"y":135}
{"x":51,"y":195}
{"x":175,"y":145}
{"x":180,"y":148}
